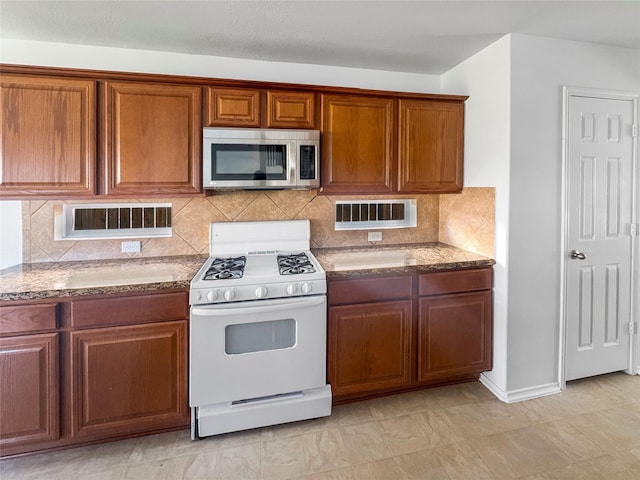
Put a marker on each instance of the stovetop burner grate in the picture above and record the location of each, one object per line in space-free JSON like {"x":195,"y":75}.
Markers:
{"x":295,"y":264}
{"x":224,"y":268}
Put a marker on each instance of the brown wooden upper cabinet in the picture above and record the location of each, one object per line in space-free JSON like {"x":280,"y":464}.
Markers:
{"x":368,"y":148}
{"x":233,"y":107}
{"x":430,"y":144}
{"x":291,"y":110}
{"x":150,"y":129}
{"x":151,"y":139}
{"x":244,"y":107}
{"x":48,"y":143}
{"x":357,"y":144}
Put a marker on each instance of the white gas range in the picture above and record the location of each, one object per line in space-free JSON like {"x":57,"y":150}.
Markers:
{"x":258,"y":329}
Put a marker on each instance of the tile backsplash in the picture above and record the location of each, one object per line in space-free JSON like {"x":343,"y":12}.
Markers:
{"x":468,"y":220}
{"x":465,"y":220}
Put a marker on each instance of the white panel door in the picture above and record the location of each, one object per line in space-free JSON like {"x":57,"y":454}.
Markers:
{"x":598,"y":268}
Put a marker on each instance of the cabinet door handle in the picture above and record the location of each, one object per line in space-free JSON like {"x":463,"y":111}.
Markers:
{"x":576,"y":255}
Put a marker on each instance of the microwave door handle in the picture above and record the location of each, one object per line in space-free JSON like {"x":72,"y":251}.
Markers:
{"x":293,"y":168}
{"x":243,"y":309}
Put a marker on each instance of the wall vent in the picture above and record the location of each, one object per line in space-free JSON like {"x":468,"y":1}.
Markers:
{"x":113,"y":221}
{"x":375,"y":214}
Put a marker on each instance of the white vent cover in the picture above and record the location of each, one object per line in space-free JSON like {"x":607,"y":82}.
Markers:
{"x":112,"y":221}
{"x":375,"y":214}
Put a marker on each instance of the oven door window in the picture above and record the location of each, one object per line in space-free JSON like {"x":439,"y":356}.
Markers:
{"x":259,"y":336}
{"x":248,"y":162}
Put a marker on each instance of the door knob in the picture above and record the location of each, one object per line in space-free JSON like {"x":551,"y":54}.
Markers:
{"x":576,"y":255}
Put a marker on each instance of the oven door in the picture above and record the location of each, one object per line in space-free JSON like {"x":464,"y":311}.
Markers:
{"x":247,"y":350}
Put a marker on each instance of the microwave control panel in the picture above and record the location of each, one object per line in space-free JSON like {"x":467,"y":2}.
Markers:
{"x":307,"y":162}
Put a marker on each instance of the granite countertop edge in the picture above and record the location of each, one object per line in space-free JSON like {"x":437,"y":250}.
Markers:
{"x":84,"y":291}
{"x":429,"y":257}
{"x":35,"y":281}
{"x":411,"y":269}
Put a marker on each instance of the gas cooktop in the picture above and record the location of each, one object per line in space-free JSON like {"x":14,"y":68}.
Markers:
{"x":246,"y":263}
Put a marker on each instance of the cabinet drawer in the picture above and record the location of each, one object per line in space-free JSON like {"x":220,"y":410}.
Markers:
{"x":451,"y":282}
{"x":137,"y":309}
{"x":347,"y":291}
{"x":28,"y":318}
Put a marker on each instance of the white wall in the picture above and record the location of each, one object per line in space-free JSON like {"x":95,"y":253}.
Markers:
{"x":11,"y":233}
{"x":513,"y":141}
{"x":147,"y":61}
{"x":485,"y":77}
{"x":540,"y":67}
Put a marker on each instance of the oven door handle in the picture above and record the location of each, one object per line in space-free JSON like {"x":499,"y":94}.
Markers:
{"x":241,"y":308}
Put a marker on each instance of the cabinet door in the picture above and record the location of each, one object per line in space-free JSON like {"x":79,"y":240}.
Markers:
{"x":291,"y":109}
{"x":430,"y":146}
{"x":152,"y":139}
{"x":48,"y":146}
{"x":233,"y":107}
{"x":29,"y":384}
{"x":129,"y":379}
{"x":454,"y":335}
{"x":370,"y":347}
{"x":357,"y":144}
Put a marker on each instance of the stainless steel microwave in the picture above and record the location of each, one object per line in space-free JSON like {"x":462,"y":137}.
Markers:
{"x":251,"y":158}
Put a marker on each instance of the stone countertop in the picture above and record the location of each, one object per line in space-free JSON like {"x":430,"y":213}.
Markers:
{"x":383,"y":259}
{"x":93,"y":277}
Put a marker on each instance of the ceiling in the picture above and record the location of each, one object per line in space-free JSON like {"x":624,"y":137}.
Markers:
{"x":427,"y":37}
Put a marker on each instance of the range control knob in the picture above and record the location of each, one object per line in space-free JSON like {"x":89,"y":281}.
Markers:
{"x":211,"y":295}
{"x":306,"y":288}
{"x":261,"y":291}
{"x":291,"y":289}
{"x":229,"y":294}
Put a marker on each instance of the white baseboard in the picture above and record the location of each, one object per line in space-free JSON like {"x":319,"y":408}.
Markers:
{"x":519,"y":395}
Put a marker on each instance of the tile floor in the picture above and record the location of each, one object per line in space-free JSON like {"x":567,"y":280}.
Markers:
{"x":591,"y":431}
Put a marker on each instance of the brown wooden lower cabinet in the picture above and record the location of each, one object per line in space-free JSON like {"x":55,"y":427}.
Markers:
{"x":371,"y":346}
{"x":29,"y":408}
{"x":110,"y":366}
{"x":454,"y":335}
{"x":129,"y":379}
{"x":425,"y":330}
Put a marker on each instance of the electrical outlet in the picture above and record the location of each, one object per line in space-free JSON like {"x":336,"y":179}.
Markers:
{"x":374,"y":236}
{"x":131,"y":247}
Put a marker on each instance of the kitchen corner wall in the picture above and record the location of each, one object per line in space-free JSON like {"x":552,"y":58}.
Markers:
{"x":465,"y":220}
